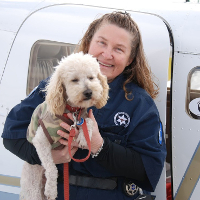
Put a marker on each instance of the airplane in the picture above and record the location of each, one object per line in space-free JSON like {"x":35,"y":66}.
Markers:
{"x":36,"y":34}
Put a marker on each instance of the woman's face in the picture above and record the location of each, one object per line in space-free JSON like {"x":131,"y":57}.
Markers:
{"x":111,"y":45}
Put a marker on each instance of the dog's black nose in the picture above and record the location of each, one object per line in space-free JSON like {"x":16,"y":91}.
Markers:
{"x":87,"y":93}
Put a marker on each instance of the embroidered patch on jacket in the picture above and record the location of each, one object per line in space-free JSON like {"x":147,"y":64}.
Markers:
{"x":160,"y":134}
{"x":122,"y":119}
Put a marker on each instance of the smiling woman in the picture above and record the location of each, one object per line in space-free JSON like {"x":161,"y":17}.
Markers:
{"x":115,"y":40}
{"x":111,"y":45}
{"x":127,"y":143}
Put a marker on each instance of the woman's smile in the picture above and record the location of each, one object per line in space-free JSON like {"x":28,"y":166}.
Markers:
{"x":104,"y":65}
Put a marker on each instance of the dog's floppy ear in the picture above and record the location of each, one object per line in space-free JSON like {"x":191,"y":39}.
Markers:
{"x":104,"y":98}
{"x":55,"y":92}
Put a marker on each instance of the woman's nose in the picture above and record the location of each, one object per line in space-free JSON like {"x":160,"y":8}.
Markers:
{"x":107,"y":53}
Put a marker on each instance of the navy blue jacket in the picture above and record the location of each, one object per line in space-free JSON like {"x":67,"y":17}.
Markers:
{"x":132,"y":124}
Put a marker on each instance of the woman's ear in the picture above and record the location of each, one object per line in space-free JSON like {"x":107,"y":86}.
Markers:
{"x":129,"y":61}
{"x":55,"y":92}
{"x":104,"y":98}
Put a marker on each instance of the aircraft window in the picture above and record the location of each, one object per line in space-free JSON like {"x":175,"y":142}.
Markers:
{"x":45,"y":55}
{"x":193,"y":93}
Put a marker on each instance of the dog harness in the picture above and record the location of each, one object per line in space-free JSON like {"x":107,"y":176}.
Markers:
{"x":51,"y":124}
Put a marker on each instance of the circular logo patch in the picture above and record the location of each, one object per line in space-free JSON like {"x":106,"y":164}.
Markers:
{"x":122,"y":119}
{"x":130,"y":189}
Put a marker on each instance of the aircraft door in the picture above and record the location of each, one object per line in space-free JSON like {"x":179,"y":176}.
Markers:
{"x":185,"y":126}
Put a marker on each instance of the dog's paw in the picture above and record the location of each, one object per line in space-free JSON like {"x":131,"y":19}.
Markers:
{"x":81,"y":138}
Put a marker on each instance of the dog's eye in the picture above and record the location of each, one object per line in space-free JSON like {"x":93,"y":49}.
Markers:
{"x":75,"y":80}
{"x":91,"y":78}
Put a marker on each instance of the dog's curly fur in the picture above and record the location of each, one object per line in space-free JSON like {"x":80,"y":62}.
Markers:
{"x":74,"y":77}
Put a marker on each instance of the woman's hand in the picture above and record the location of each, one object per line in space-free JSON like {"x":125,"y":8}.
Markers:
{"x":96,"y":140}
{"x":62,"y":156}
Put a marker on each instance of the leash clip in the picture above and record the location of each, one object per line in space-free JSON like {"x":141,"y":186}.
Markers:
{"x":78,"y":122}
{"x":72,"y":127}
{"x":75,"y":122}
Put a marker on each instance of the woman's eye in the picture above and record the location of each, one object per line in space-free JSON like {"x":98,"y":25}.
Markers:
{"x":102,"y":42}
{"x":75,"y":80}
{"x":119,"y":49}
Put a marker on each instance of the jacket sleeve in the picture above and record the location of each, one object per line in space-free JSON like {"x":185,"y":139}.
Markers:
{"x":128,"y":163}
{"x":17,"y":121}
{"x":19,"y":117}
{"x":22,"y":149}
{"x":148,"y":140}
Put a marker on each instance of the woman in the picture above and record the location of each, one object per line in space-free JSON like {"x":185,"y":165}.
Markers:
{"x":128,"y":149}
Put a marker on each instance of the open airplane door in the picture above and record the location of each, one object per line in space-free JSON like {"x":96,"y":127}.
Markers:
{"x":52,"y":32}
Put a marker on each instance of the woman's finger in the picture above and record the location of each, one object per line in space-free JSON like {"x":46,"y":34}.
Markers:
{"x":65,"y":142}
{"x":63,"y":134}
{"x":65,"y":126}
{"x":73,"y":151}
{"x":70,"y":116}
{"x":91,"y":116}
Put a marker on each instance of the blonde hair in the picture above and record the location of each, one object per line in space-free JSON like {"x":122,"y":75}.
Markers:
{"x":138,"y":71}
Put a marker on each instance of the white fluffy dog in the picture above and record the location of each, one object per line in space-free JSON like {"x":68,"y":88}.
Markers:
{"x":78,"y":82}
